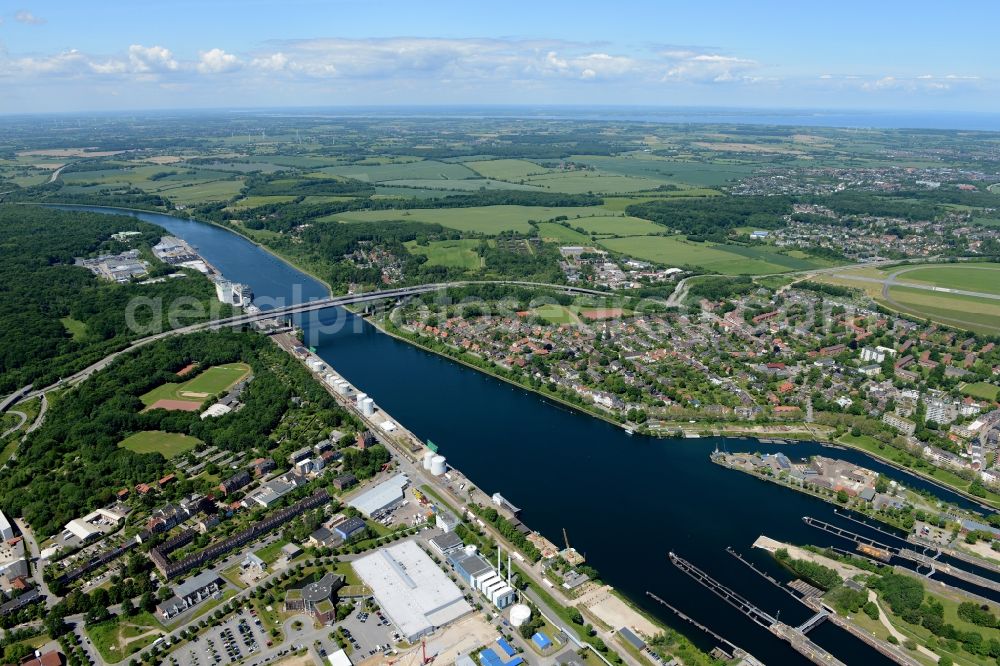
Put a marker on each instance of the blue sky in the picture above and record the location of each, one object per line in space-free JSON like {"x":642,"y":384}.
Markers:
{"x":80,"y":56}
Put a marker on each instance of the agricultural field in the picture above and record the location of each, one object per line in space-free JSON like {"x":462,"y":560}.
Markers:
{"x":725,"y":259}
{"x":167,"y":444}
{"x":417,"y":170}
{"x":584,"y":182}
{"x":625,"y":225}
{"x":489,"y":220}
{"x":507,"y":169}
{"x":198,"y":390}
{"x":451,"y":253}
{"x":456,"y":185}
{"x":663,"y":170}
{"x":557,"y":233}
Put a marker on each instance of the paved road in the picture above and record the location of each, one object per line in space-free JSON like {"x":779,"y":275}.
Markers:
{"x":37,"y":570}
{"x":22,"y":417}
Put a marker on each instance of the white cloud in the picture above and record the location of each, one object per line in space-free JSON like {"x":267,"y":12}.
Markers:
{"x":217,"y":61}
{"x":26,"y":17}
{"x":145,"y":59}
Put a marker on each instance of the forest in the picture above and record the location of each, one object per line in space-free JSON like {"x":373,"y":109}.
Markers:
{"x":714,"y":217}
{"x":73,"y":463}
{"x":39,"y":286}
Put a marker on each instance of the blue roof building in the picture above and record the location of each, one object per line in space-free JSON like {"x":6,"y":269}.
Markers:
{"x":541,"y":640}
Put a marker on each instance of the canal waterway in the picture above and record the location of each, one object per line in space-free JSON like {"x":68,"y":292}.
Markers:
{"x":625,"y":501}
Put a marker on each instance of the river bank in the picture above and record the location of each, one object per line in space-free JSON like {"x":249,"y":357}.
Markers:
{"x":286,"y":260}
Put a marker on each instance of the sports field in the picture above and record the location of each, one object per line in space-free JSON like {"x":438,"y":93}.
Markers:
{"x":167,"y":444}
{"x":981,"y":390}
{"x":195,"y":391}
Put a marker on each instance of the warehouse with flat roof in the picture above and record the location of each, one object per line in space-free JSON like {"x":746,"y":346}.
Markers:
{"x":412,"y":591}
{"x":381,"y":498}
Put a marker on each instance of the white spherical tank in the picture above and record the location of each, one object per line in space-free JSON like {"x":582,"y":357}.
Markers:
{"x":438,"y":466}
{"x":428,"y":457}
{"x":519,"y":614}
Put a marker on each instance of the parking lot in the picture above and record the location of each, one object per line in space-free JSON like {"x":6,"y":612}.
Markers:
{"x":238,"y":637}
{"x":367,"y":634}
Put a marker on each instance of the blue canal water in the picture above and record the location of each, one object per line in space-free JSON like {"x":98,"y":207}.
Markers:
{"x":625,"y":501}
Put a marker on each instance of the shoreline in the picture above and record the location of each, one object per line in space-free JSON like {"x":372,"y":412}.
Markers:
{"x":285,"y":260}
{"x":748,"y":433}
{"x":439,"y":494}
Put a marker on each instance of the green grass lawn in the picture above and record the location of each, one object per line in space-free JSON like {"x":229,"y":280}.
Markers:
{"x":167,"y":444}
{"x":451,"y":253}
{"x":555,"y":313}
{"x":981,"y":390}
{"x":981,"y":277}
{"x":272,"y":552}
{"x":969,"y":312}
{"x":117,"y":638}
{"x":210,"y":382}
{"x":74,"y":327}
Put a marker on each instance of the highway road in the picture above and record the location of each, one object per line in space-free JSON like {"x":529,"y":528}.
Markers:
{"x":309,"y":306}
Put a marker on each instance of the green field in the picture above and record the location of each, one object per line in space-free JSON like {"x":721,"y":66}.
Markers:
{"x":550,"y":231}
{"x":969,"y":312}
{"x":506,"y":169}
{"x":981,"y":390}
{"x":984,"y":278}
{"x":207,"y":384}
{"x":74,"y":327}
{"x":726,"y":259}
{"x":582,"y":182}
{"x":469,"y":185}
{"x":451,"y":253}
{"x":664,"y":170}
{"x":618,"y":226}
{"x":489,"y":220}
{"x":417,"y":170}
{"x":167,"y":444}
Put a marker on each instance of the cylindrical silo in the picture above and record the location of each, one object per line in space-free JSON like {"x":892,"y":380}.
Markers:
{"x":367,"y":406}
{"x":428,"y":457}
{"x":519,"y":614}
{"x":438,"y":466}
{"x":361,"y":398}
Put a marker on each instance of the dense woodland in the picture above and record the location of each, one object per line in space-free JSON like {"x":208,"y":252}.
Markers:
{"x":714,"y":217}
{"x":39,"y":285}
{"x":72,"y":463}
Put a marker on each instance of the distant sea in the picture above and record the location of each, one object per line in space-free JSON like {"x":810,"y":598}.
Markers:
{"x":859,"y":119}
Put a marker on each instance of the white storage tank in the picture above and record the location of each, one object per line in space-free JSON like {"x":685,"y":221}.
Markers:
{"x":470,"y":550}
{"x":438,"y":466}
{"x":428,"y":457}
{"x":519,"y":614}
{"x":361,"y":398}
{"x":367,"y":406}
{"x":343,"y":387}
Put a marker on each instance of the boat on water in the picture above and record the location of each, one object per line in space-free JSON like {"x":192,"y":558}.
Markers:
{"x":629,"y":431}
